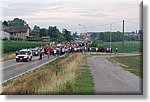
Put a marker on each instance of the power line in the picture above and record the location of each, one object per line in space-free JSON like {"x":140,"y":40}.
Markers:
{"x":101,"y":25}
{"x":132,"y":22}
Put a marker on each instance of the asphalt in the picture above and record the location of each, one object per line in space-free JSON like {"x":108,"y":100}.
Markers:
{"x":11,"y":69}
{"x":112,"y":79}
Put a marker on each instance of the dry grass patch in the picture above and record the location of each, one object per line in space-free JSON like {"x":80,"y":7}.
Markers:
{"x":7,"y":56}
{"x":52,"y":78}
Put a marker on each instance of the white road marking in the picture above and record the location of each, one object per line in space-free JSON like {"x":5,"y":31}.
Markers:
{"x":10,"y":66}
{"x":31,"y":69}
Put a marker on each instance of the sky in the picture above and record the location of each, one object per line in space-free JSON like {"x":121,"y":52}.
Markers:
{"x":91,"y":15}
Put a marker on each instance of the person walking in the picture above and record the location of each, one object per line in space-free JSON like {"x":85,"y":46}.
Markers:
{"x":40,"y":54}
{"x":90,"y":50}
{"x":116,"y":50}
{"x":104,"y":49}
{"x":96,"y":50}
{"x":54,"y":52}
{"x":17,"y":52}
{"x":48,"y":53}
{"x":43,"y":51}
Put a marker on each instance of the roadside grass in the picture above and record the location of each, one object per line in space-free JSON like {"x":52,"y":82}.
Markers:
{"x":66,"y":75}
{"x":7,"y":56}
{"x":84,"y":81}
{"x":133,"y":64}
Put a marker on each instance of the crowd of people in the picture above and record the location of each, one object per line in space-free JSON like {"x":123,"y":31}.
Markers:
{"x":74,"y":47}
{"x":61,"y":49}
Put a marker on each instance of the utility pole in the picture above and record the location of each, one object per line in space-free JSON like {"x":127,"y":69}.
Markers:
{"x":110,"y":39}
{"x":123,"y":37}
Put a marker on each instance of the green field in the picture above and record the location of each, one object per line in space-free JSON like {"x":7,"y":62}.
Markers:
{"x":12,"y":46}
{"x":129,"y":46}
{"x":134,"y":64}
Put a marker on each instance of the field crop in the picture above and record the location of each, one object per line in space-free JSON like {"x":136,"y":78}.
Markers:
{"x":12,"y":46}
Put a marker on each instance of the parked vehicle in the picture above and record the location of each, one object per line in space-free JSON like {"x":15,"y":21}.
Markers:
{"x":35,"y":51}
{"x":24,"y":55}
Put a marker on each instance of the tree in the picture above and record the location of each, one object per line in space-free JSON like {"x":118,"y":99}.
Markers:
{"x":67,"y":35}
{"x":140,"y":32}
{"x":17,"y":22}
{"x":43,"y":32}
{"x":94,"y":35}
{"x":35,"y":32}
{"x":5,"y":23}
{"x":36,"y":27}
{"x":115,"y":36}
{"x":75,"y":36}
{"x":53,"y":32}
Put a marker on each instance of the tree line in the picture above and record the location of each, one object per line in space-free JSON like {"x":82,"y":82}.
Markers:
{"x":115,"y":36}
{"x":52,"y":31}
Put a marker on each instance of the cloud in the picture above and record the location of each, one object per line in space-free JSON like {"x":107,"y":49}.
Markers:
{"x":70,"y":12}
{"x":19,"y":8}
{"x":90,"y":13}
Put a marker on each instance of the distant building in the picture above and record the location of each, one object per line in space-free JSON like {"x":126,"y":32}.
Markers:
{"x":94,"y":35}
{"x":131,"y":36}
{"x":17,"y":32}
{"x":140,"y":37}
{"x":36,"y":38}
{"x":33,"y":38}
{"x":4,"y":35}
{"x":85,"y":35}
{"x":45,"y":38}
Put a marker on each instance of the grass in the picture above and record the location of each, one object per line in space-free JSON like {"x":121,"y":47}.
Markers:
{"x":84,"y":81}
{"x":7,"y":56}
{"x":129,"y":46}
{"x":132,"y":64}
{"x":66,"y":75}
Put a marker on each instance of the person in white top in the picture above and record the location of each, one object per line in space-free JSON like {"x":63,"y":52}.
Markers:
{"x":54,"y":52}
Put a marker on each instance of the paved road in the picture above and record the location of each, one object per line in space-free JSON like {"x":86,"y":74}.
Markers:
{"x":11,"y":68}
{"x":112,"y":79}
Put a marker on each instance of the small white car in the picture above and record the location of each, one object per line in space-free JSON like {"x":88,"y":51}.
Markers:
{"x":24,"y":54}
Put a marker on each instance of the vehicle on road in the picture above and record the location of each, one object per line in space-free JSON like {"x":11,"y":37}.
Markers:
{"x":35,"y":51}
{"x":24,"y":55}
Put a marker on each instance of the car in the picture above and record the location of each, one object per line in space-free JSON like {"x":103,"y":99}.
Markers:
{"x":35,"y":51}
{"x":24,"y":54}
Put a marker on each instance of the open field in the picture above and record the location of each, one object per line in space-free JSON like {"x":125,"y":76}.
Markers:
{"x":132,"y":64}
{"x":129,"y":46}
{"x":12,"y":46}
{"x":66,"y":75}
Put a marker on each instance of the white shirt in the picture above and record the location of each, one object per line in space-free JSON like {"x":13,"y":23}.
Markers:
{"x":54,"y":51}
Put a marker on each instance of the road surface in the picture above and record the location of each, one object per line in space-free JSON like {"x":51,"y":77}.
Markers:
{"x":112,"y":79}
{"x":11,"y":69}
